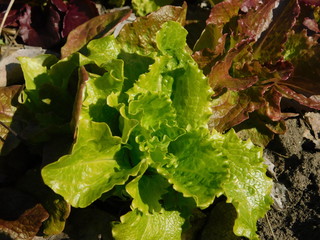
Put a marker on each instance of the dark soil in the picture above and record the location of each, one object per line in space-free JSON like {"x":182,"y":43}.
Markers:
{"x":296,"y":211}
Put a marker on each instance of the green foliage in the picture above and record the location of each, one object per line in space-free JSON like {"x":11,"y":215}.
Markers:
{"x":152,"y":137}
{"x":158,"y":226}
{"x":137,"y":108}
{"x":143,"y":7}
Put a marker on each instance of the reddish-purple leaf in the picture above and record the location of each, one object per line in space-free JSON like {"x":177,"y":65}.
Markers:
{"x":79,"y":11}
{"x":206,"y":59}
{"x":304,"y":54}
{"x":81,"y":35}
{"x":221,"y":13}
{"x":11,"y":19}
{"x":60,"y":5}
{"x":300,"y":98}
{"x":266,"y":62}
{"x":219,"y":76}
{"x":311,"y":2}
{"x":27,"y":225}
{"x":248,"y":4}
{"x":272,"y":108}
{"x":269,"y":46}
{"x":257,"y":21}
{"x":311,"y":24}
{"x":233,"y":107}
{"x":31,"y":183}
{"x":40,"y":27}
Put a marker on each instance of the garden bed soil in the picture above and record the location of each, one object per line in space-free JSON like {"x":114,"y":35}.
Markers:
{"x":295,"y":213}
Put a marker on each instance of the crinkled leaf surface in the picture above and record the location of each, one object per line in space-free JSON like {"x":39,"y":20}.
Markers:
{"x":222,"y":12}
{"x":257,"y":20}
{"x":196,"y":167}
{"x":143,"y":7}
{"x":190,"y":112}
{"x":102,"y":50}
{"x":232,"y":107}
{"x":139,"y":36}
{"x":219,"y":76}
{"x":96,"y":149}
{"x":175,"y":201}
{"x":157,"y":226}
{"x":303,"y":52}
{"x":269,"y":46}
{"x":34,"y":67}
{"x":248,"y":188}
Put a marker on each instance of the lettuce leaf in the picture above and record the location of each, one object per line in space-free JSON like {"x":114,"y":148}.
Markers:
{"x":143,"y":7}
{"x":136,"y":225}
{"x":147,"y":191}
{"x":247,"y":184}
{"x":96,"y":151}
{"x":196,"y":167}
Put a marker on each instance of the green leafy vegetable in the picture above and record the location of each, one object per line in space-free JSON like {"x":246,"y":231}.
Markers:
{"x":147,"y":191}
{"x":161,"y":225}
{"x":247,"y":184}
{"x":143,"y":7}
{"x":152,"y":137}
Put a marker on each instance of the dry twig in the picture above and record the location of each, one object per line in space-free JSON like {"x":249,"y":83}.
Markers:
{"x":6,"y":15}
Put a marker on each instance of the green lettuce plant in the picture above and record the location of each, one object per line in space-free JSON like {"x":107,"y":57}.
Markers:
{"x":139,"y":120}
{"x":151,"y":136}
